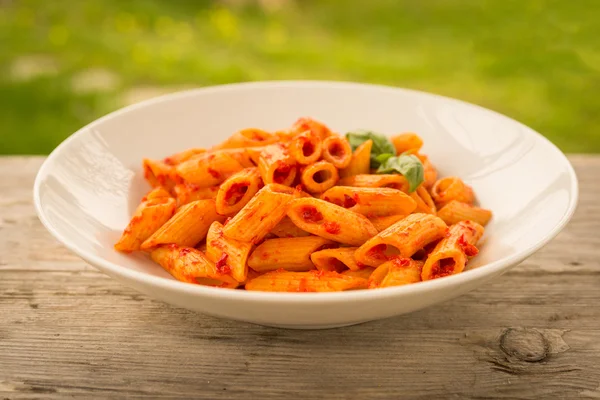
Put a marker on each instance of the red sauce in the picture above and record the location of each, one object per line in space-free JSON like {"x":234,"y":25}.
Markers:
{"x":256,"y":136}
{"x":214,"y":174}
{"x":221,"y":264}
{"x":361,"y":265}
{"x":378,"y":252}
{"x":303,"y":285}
{"x":300,"y":187}
{"x":307,"y":148}
{"x":169,"y":161}
{"x":401,"y":262}
{"x":311,"y":214}
{"x":336,"y":150}
{"x":184,"y":252}
{"x":171,"y":246}
{"x":236,"y":192}
{"x":332,"y":227}
{"x":226,"y":221}
{"x":350,"y":202}
{"x":281,"y":173}
{"x":467,"y":248}
{"x":444,"y":267}
{"x":319,"y":274}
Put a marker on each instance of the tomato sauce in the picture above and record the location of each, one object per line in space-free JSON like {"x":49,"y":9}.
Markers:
{"x":311,"y":214}
{"x":332,"y":227}
{"x":350,"y":202}
{"x":221,"y":264}
{"x":236,"y":192}
{"x":467,"y":248}
{"x":281,"y":173}
{"x":378,"y":252}
{"x":307,"y":148}
{"x":444,"y":267}
{"x":213,"y":173}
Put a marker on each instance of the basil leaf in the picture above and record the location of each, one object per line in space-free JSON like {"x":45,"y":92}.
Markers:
{"x":408,"y":165}
{"x":381,"y":144}
{"x":382,"y":158}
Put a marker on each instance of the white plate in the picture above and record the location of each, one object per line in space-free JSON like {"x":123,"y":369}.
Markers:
{"x":88,"y":187}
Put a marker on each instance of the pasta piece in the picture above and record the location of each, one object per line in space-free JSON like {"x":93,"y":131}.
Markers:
{"x":337,"y":151}
{"x":306,"y":148}
{"x":393,"y":181}
{"x":372,"y":202}
{"x":451,"y":254}
{"x":402,"y":271}
{"x":276,"y":165}
{"x":182,"y":156}
{"x":187,"y":227}
{"x":337,"y":260}
{"x":363,"y":273}
{"x":250,"y":137}
{"x":241,"y":155}
{"x":229,"y":255}
{"x":429,"y":172}
{"x":407,"y":142}
{"x":291,"y":254}
{"x":157,"y":173}
{"x":260,"y":215}
{"x":308,"y":124}
{"x":285,"y":135}
{"x":455,"y":211}
{"x":287,"y":229}
{"x":188,"y":192}
{"x":360,"y":162}
{"x":147,"y":219}
{"x":330,"y":221}
{"x":237,"y":191}
{"x":311,"y":281}
{"x":189,"y":265}
{"x":208,"y":169}
{"x":319,"y":177}
{"x":403,"y":239}
{"x":381,"y":223}
{"x":156,"y":193}
{"x":396,"y":272}
{"x":452,"y":188}
{"x":423,"y":201}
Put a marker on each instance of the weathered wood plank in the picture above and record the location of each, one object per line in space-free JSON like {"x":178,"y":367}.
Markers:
{"x":67,"y":330}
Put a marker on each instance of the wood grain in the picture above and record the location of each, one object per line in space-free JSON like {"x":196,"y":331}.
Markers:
{"x":66,"y":330}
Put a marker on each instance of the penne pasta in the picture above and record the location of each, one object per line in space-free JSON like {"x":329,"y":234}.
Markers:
{"x":237,"y":191}
{"x":311,"y":281}
{"x":330,"y":221}
{"x":337,"y":151}
{"x":187,"y":227}
{"x":364,"y":273}
{"x":157,"y":173}
{"x":263,"y":210}
{"x":276,"y":165}
{"x":378,"y":181}
{"x":404,"y":142}
{"x":187,"y":192}
{"x":287,"y":229}
{"x":229,"y":255}
{"x":423,"y":201}
{"x":306,"y":148}
{"x":455,"y":211}
{"x":396,"y":272}
{"x":338,"y":260}
{"x":371,"y":202}
{"x":208,"y":169}
{"x":451,"y":254}
{"x":319,"y":177}
{"x":291,"y":254}
{"x":250,"y":137}
{"x":189,"y":265}
{"x":381,"y":223}
{"x":308,"y":124}
{"x":147,"y":219}
{"x":262,"y":213}
{"x":360,"y":162}
{"x":182,"y":156}
{"x":452,"y":188}
{"x":402,"y":239}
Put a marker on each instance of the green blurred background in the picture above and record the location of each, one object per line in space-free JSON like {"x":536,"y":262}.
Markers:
{"x":64,"y":63}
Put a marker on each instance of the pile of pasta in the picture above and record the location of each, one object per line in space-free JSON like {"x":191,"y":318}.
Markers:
{"x":305,"y":210}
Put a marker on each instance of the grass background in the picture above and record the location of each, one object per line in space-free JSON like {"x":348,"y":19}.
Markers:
{"x":64,"y":63}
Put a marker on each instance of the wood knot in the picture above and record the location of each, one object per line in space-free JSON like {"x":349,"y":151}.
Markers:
{"x":524,"y":344}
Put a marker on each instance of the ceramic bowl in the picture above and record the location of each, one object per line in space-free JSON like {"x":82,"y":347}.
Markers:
{"x":87,"y":189}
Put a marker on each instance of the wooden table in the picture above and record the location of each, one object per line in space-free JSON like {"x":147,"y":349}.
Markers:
{"x":67,"y":330}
